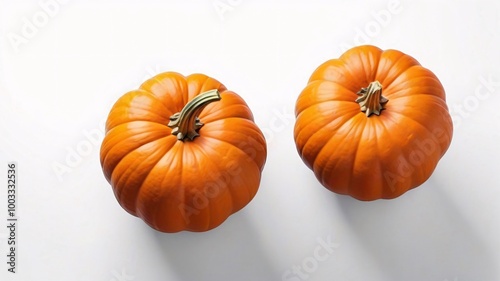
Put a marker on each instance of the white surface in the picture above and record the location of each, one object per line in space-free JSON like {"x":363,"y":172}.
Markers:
{"x":57,"y":86}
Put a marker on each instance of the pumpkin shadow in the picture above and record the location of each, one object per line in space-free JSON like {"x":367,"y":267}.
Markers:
{"x":232,"y":251}
{"x":419,"y":236}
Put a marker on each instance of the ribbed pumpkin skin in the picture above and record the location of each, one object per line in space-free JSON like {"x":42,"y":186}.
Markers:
{"x":380,"y":156}
{"x":176,"y":185}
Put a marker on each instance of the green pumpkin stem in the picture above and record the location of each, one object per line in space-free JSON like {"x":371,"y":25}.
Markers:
{"x":371,"y":99}
{"x":185,"y":124}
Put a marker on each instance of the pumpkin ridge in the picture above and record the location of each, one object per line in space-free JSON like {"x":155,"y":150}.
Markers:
{"x":394,"y":94}
{"x":182,"y":85}
{"x":118,"y":181}
{"x":204,"y":87}
{"x":326,"y":123}
{"x":121,"y":141}
{"x":315,"y":105}
{"x":324,"y":73}
{"x":132,"y":121}
{"x":347,"y":69}
{"x":362,"y":136}
{"x":157,"y":81}
{"x":124,"y":105}
{"x":375,"y":128}
{"x":415,"y":122}
{"x":434,"y":102}
{"x":212,"y":116}
{"x":370,"y":72}
{"x":194,"y":79}
{"x":231,"y":187}
{"x":143,"y":118}
{"x":359,"y":138}
{"x":433,"y":83}
{"x":325,"y":127}
{"x":311,"y":91}
{"x":389,"y":67}
{"x":234,"y":146}
{"x":328,"y":143}
{"x":180,"y":158}
{"x":153,"y":215}
{"x":196,"y":148}
{"x":418,"y":171}
{"x":128,"y":135}
{"x":248,"y":127}
{"x":334,"y":82}
{"x":168,"y":112}
{"x":216,"y":164}
{"x":392,"y":141}
{"x":354,"y":57}
{"x":415,"y":176}
{"x":396,"y":112}
{"x":248,"y":123}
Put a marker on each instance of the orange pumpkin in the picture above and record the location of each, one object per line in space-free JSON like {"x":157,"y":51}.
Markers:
{"x":372,"y":124}
{"x":182,"y":153}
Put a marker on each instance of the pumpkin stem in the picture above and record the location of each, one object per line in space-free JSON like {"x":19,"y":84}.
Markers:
{"x":185,"y":124}
{"x":371,"y":99}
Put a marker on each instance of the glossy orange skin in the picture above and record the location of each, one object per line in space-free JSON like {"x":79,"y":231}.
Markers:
{"x":176,"y":185}
{"x":372,"y":157}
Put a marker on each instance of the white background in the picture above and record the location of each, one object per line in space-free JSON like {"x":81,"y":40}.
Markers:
{"x":62,"y":66}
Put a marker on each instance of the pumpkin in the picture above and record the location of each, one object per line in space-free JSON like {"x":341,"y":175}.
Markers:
{"x":372,"y":124}
{"x":182,"y":152}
